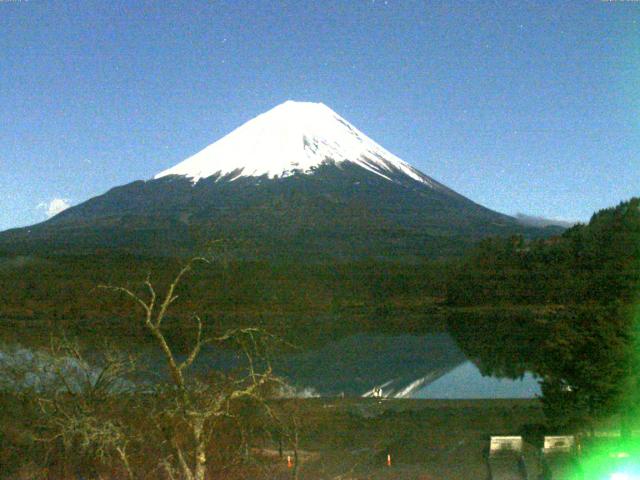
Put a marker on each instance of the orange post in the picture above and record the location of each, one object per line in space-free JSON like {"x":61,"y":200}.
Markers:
{"x":289,"y":462}
{"x":388,"y":459}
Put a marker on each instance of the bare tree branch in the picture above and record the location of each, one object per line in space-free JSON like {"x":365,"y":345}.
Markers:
{"x":196,"y":348}
{"x":194,"y":404}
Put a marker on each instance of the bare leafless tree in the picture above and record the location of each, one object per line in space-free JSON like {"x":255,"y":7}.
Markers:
{"x":74,"y":395}
{"x":190,"y":404}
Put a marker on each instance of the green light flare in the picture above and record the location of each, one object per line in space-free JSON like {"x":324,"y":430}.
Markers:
{"x":611,"y":459}
{"x":619,"y":458}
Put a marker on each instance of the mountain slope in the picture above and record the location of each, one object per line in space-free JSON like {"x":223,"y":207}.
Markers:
{"x":296,"y":182}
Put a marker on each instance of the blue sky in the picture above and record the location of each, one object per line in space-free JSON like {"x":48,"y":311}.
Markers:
{"x":522,"y":106}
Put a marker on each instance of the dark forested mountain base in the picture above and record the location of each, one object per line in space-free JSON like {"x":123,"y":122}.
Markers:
{"x":302,"y":303}
{"x":338,"y":213}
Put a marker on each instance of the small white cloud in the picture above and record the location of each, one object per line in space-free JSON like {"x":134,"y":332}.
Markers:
{"x":55,"y":206}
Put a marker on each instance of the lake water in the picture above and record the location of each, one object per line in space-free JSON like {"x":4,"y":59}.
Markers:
{"x":466,"y":381}
{"x":402,"y":366}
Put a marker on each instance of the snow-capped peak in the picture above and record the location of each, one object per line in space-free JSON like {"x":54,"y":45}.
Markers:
{"x":292,"y":137}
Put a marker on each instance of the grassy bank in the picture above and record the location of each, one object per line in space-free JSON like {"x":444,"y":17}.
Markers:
{"x":427,"y":439}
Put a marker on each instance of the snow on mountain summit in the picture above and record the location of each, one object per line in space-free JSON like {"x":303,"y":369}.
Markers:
{"x":293,"y":137}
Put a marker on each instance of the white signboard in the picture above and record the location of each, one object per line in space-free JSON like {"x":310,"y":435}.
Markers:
{"x":558,"y":444}
{"x":505,"y":444}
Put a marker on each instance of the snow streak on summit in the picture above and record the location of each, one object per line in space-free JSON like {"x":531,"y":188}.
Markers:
{"x":294,"y":137}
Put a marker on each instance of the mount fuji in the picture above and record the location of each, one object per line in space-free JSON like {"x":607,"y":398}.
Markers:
{"x":296,"y":182}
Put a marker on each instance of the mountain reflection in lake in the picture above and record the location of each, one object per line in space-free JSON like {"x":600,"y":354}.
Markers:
{"x":404,"y":366}
{"x":399,"y":364}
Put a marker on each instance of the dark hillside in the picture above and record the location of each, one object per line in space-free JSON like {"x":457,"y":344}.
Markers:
{"x":340,"y":213}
